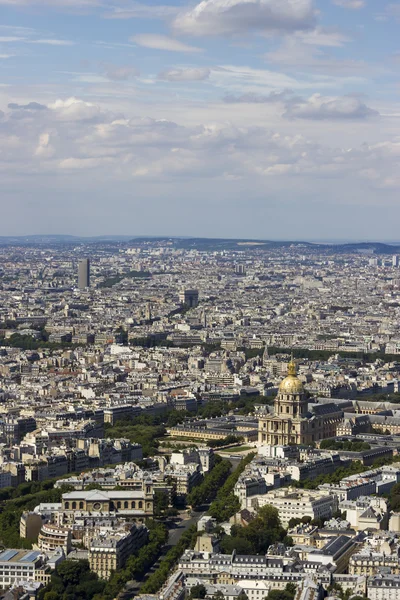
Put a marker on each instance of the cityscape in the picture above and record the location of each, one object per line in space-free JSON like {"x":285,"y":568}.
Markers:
{"x":199,"y":300}
{"x":199,"y":418}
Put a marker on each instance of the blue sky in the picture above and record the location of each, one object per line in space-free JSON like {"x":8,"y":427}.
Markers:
{"x":232,"y":118}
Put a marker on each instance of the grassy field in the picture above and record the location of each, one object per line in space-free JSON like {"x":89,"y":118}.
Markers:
{"x":235,"y":449}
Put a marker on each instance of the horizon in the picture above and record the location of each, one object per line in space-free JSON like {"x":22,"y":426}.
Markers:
{"x":128,"y":237}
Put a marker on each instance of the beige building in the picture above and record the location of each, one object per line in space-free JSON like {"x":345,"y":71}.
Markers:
{"x":128,"y":503}
{"x":52,"y":537}
{"x":292,"y":421}
{"x":295,"y":504}
{"x":109,"y":552}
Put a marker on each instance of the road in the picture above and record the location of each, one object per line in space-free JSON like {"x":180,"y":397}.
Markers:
{"x":132,"y":588}
{"x":175,"y":533}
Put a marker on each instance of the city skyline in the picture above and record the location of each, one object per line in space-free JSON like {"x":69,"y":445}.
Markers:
{"x":221,"y":118}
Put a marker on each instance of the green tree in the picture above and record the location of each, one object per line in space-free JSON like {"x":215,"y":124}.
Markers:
{"x":198,"y":591}
{"x":160,"y":503}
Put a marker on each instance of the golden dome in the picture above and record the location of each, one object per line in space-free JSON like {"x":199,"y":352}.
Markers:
{"x":291,"y":384}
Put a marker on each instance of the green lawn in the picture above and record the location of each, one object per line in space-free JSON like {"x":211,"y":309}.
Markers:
{"x":235,"y":449}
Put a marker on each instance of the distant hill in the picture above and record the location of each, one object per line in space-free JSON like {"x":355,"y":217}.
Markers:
{"x":209,"y":244}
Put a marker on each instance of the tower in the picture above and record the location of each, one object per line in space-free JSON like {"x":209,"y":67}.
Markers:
{"x":291,"y":400}
{"x":147,"y":314}
{"x":83,"y":273}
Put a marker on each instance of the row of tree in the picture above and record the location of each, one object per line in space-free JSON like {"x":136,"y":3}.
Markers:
{"x":208,"y":488}
{"x":352,"y":446}
{"x":354,"y":468}
{"x":160,"y":576}
{"x":258,"y":535}
{"x":226,"y":503}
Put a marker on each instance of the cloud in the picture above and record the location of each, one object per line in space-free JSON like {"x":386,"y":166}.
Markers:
{"x":52,"y":42}
{"x":391,"y":10}
{"x":10,"y":38}
{"x":44,"y":148}
{"x":76,"y":110}
{"x":258,"y":98}
{"x":231,"y":17}
{"x":81,"y":138}
{"x":301,"y":53}
{"x":319,"y":107}
{"x":29,"y":106}
{"x":162,"y":42}
{"x":189,"y":74}
{"x":76,"y":4}
{"x":142,"y":11}
{"x":118,"y":73}
{"x":352,"y":4}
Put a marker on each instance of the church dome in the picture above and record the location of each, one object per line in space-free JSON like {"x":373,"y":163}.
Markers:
{"x":291,"y":384}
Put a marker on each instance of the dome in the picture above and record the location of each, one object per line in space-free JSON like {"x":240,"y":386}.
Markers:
{"x":291,"y":384}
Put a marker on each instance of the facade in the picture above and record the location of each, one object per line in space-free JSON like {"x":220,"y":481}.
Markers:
{"x":52,"y":537}
{"x":30,"y":525}
{"x":83,"y":274}
{"x":295,"y":504}
{"x":292,"y":422}
{"x":20,"y":565}
{"x":189,"y":298}
{"x":109,"y":552}
{"x":132,"y":503}
{"x":383,"y":587}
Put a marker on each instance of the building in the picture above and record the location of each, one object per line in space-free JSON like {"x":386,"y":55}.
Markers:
{"x":52,"y":537}
{"x":109,"y":551}
{"x":30,"y":525}
{"x":189,"y":298}
{"x":383,"y":587}
{"x":130,"y":503}
{"x":20,"y":565}
{"x":84,"y":274}
{"x":293,"y":422}
{"x":296,"y":504}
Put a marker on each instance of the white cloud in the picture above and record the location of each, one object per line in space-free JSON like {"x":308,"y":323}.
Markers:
{"x":352,"y":4}
{"x":321,"y":36}
{"x":188,"y":74}
{"x":142,"y":11}
{"x":74,"y":110}
{"x":297,"y":52}
{"x":44,"y":148}
{"x":162,"y":42}
{"x":52,"y":42}
{"x":10,"y":38}
{"x":120,"y":73}
{"x":227,"y":17}
{"x":320,"y":107}
{"x":77,"y":4}
{"x":270,"y":98}
{"x":77,"y":136}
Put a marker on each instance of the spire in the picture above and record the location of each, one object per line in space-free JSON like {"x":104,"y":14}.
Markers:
{"x":292,"y":368}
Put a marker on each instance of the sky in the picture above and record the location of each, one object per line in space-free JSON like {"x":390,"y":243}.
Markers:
{"x":268,"y":119}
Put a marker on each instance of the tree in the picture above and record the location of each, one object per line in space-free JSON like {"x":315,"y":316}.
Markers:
{"x":198,"y":591}
{"x":160,"y":503}
{"x":287,"y":594}
{"x":71,"y":571}
{"x":241,"y":545}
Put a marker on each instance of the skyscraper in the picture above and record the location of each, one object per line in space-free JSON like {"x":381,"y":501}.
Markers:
{"x":83,"y":274}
